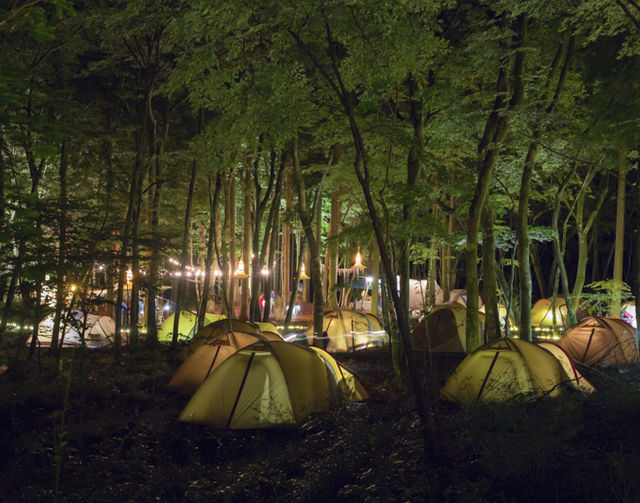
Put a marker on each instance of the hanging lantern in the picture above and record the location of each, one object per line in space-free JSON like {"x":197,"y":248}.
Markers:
{"x":217,"y":272}
{"x":358,"y":264}
{"x":240,"y":274}
{"x":129,"y":275}
{"x":303,"y":275}
{"x":265,"y":271}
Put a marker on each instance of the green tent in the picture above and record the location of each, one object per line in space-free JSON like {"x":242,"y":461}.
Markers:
{"x":186,"y":326}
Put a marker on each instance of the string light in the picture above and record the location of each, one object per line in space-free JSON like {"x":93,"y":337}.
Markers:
{"x":265,"y":271}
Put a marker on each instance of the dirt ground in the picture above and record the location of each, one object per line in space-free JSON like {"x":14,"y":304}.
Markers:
{"x":115,"y":437}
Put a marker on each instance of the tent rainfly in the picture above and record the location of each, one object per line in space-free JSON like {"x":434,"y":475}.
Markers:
{"x":98,"y":330}
{"x":264,"y":385}
{"x":212,"y":351}
{"x":186,"y":326}
{"x":504,"y":369}
{"x":603,"y":342}
{"x":446,"y":329}
{"x":576,"y":380}
{"x":542,"y":313}
{"x":345,"y":331}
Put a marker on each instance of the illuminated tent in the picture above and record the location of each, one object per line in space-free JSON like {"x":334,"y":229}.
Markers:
{"x":213,"y":348}
{"x":542,"y":313}
{"x":502,"y":370}
{"x":186,"y":325}
{"x":348,"y":383}
{"x":576,"y":380}
{"x":267,"y":326}
{"x":344,"y":331}
{"x":446,"y":328}
{"x":221,"y":327}
{"x":502,"y":315}
{"x":601,"y":341}
{"x":459,"y":296}
{"x":99,"y":330}
{"x":261,"y":386}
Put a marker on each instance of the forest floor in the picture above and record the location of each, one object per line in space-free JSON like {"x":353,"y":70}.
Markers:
{"x":116,"y":438}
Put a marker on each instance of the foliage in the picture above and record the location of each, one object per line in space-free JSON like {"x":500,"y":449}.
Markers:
{"x":602,"y":294}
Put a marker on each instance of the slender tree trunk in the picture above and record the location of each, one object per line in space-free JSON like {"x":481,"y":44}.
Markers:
{"x":231,"y":261}
{"x":183,"y":259}
{"x":246,"y":245}
{"x":306,"y":217}
{"x":332,"y":250}
{"x":375,"y":278}
{"x":489,"y":278}
{"x":488,"y":150}
{"x":62,"y":249}
{"x":208,"y":262}
{"x":619,"y":239}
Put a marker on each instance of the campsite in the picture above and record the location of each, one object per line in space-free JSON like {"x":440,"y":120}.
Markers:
{"x":319,"y":251}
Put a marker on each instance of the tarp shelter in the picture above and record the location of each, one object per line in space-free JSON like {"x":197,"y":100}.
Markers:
{"x":261,"y":386}
{"x":99,"y":330}
{"x":444,"y":330}
{"x":601,"y":341}
{"x":186,"y":325}
{"x":502,"y":370}
{"x":576,"y":380}
{"x":344,"y":331}
{"x":542,"y":313}
{"x":215,"y":347}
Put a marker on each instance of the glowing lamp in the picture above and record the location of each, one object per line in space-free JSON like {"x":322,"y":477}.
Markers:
{"x":358,"y":264}
{"x":303,"y":275}
{"x":217,"y":272}
{"x":265,"y":271}
{"x":129,"y":275}
{"x":240,"y":274}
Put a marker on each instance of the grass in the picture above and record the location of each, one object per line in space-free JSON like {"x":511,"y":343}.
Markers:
{"x":125,"y":444}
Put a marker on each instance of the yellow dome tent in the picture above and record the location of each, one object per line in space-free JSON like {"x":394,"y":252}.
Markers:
{"x":212,"y":352}
{"x":347,"y":382}
{"x":221,"y":327}
{"x":345,"y":331}
{"x":446,"y":329}
{"x":261,"y":386}
{"x":542,"y":313}
{"x":601,"y":341}
{"x":503,"y":369}
{"x":186,"y":326}
{"x":576,"y":380}
{"x":267,"y":326}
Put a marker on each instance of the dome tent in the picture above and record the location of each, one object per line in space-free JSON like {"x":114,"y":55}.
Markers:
{"x":186,"y":326}
{"x":502,"y":370}
{"x":344,"y":331}
{"x":542,"y":313}
{"x":348,"y":383}
{"x":98,"y":330}
{"x":576,"y":380}
{"x":263,"y":385}
{"x":601,"y":341}
{"x":446,"y":329}
{"x":212,"y":351}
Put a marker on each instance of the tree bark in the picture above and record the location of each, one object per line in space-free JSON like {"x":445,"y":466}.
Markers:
{"x":62,"y":248}
{"x":619,"y":239}
{"x":488,"y":150}
{"x":181,"y":284}
{"x":489,"y":279}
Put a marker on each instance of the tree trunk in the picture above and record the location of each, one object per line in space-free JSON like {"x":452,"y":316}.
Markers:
{"x":246,"y":245}
{"x":208,"y":262}
{"x":332,"y":250}
{"x":62,"y":249}
{"x":489,"y":278}
{"x":488,"y":150}
{"x":375,"y":278}
{"x":231,"y":229}
{"x":614,"y":310}
{"x":306,"y":215}
{"x":183,"y":259}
